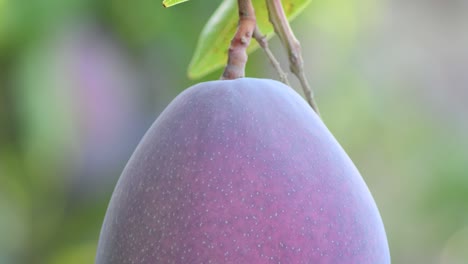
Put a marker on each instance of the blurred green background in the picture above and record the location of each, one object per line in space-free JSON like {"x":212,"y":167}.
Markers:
{"x":82,"y":80}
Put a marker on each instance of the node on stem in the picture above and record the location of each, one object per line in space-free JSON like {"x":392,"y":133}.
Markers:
{"x":237,"y":56}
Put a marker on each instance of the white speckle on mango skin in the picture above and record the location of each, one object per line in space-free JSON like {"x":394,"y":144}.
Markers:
{"x":241,"y":171}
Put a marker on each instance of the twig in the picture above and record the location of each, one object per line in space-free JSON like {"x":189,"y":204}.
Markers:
{"x":296,"y":64}
{"x":262,"y":41}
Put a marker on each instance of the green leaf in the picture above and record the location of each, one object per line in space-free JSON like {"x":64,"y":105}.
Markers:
{"x":169,"y":3}
{"x":214,"y":40}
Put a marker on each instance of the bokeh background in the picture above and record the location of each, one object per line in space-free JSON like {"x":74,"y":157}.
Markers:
{"x":82,"y":80}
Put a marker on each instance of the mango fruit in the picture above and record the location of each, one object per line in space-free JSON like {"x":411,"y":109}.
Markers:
{"x":241,"y":171}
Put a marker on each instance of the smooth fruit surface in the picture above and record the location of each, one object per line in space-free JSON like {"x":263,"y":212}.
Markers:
{"x":241,"y":171}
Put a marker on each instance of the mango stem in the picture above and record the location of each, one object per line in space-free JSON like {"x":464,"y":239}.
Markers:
{"x":237,"y":56}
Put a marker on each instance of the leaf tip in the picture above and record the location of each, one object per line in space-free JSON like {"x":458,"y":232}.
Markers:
{"x":191,"y":75}
{"x":169,"y":3}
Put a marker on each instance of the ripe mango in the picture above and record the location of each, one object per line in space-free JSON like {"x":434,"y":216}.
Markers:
{"x":241,"y":171}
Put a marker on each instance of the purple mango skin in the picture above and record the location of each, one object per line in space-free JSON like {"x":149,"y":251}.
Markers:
{"x":241,"y":171}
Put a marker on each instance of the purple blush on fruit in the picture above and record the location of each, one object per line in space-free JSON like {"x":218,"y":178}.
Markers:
{"x":241,"y":171}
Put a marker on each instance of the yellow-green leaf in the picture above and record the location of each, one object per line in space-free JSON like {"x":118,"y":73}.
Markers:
{"x":213,"y":42}
{"x":169,"y":3}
